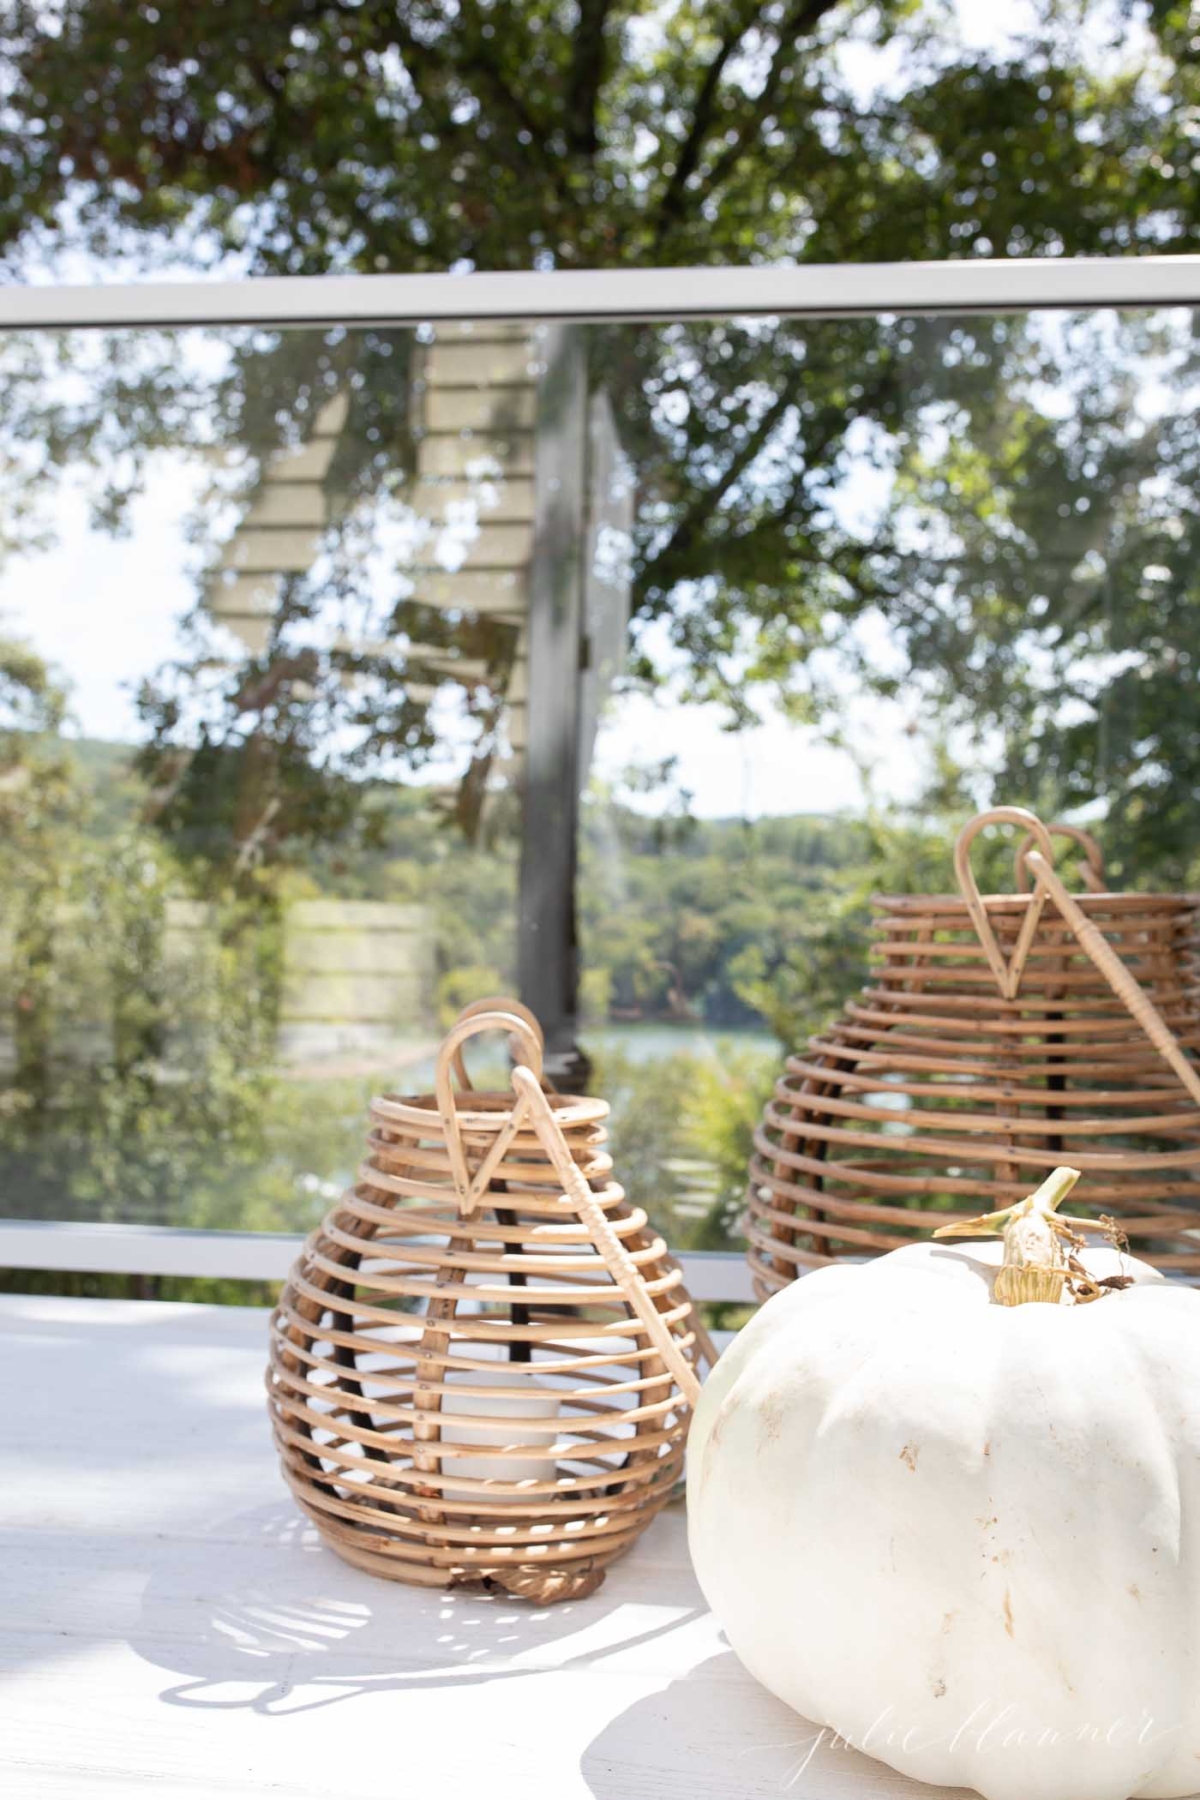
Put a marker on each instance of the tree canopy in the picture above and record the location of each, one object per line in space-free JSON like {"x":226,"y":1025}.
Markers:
{"x":305,"y":135}
{"x":1040,"y":529}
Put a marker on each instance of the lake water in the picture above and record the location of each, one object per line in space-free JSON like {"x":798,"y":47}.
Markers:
{"x":655,"y":1041}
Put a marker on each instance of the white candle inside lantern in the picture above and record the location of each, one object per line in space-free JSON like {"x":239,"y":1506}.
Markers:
{"x":536,"y":1400}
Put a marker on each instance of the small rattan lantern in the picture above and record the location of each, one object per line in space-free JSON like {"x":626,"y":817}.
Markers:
{"x":1000,"y":1036}
{"x":483,"y":1362}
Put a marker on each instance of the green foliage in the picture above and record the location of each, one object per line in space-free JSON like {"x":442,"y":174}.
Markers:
{"x":138,"y":1078}
{"x":648,"y":1134}
{"x":458,"y":987}
{"x":740,"y":924}
{"x":144,"y":1004}
{"x":1036,"y":586}
{"x":681,"y":1131}
{"x":148,"y":1086}
{"x":198,"y":1290}
{"x":415,"y":135}
{"x":723,"y":1113}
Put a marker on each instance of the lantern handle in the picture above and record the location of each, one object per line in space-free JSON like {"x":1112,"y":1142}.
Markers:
{"x":1008,"y":972}
{"x":495,"y":1003}
{"x":621,"y":1265}
{"x":491,"y":1015}
{"x":1121,"y":980}
{"x":1091,"y":868}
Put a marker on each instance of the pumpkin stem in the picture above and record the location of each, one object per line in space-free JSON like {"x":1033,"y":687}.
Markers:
{"x":1034,"y":1266}
{"x":1046,"y":1199}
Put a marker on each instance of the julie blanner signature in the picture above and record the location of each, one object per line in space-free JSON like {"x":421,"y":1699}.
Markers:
{"x":987,"y":1729}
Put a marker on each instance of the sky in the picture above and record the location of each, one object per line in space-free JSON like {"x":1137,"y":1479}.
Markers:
{"x":779,"y":768}
{"x":103,"y":610}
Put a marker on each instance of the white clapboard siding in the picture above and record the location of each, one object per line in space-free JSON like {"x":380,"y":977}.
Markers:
{"x":607,"y":552}
{"x":517,"y":696}
{"x":491,"y":331}
{"x":81,"y":1021}
{"x":288,"y":503}
{"x":466,"y":545}
{"x":357,"y":974}
{"x":381,"y":997}
{"x":493,"y":499}
{"x":480,"y":405}
{"x":280,"y":532}
{"x":381,"y":952}
{"x":356,"y":915}
{"x":506,"y":546}
{"x":238,"y":596}
{"x":446,"y":661}
{"x":331,"y":420}
{"x":272,"y":550}
{"x":246,"y":605}
{"x":354,"y":972}
{"x":476,"y":391}
{"x":496,"y":592}
{"x":428,"y":659}
{"x":494,"y":410}
{"x":253,"y":634}
{"x":308,"y":462}
{"x":468,"y":363}
{"x":518,"y":681}
{"x":459,"y":453}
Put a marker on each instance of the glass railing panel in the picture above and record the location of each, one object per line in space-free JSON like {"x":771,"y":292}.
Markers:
{"x":350,"y":674}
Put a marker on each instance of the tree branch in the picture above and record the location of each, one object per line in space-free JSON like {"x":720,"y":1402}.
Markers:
{"x":814,"y":454}
{"x":473,"y":59}
{"x":803,"y":21}
{"x":430,"y":71}
{"x":675,"y":197}
{"x":589,"y":66}
{"x":709,"y":498}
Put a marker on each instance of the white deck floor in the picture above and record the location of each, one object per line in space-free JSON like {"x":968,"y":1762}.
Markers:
{"x":169,"y":1625}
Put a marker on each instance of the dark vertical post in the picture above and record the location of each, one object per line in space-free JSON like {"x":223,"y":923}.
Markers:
{"x":547,"y":947}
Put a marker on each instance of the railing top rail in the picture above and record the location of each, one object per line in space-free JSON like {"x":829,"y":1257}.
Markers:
{"x":819,"y":290}
{"x":103,"y":1248}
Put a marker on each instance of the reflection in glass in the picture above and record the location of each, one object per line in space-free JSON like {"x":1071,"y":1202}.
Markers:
{"x":348,"y":675}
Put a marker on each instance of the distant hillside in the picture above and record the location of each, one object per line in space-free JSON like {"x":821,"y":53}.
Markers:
{"x":733,"y":921}
{"x":118,"y":793}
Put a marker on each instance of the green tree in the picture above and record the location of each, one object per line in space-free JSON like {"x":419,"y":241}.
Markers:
{"x":311,"y":135}
{"x":138,"y":1079}
{"x":323,"y":133}
{"x":39,"y":804}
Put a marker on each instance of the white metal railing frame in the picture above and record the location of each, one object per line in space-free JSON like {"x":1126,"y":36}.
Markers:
{"x":826,"y":290}
{"x":80,"y":1247}
{"x":819,"y":290}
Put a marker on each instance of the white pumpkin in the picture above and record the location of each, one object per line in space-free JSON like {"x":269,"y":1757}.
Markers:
{"x":965,"y":1536}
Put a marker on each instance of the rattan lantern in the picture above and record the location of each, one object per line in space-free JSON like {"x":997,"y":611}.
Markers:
{"x":483,"y":1363}
{"x":999,"y":1036}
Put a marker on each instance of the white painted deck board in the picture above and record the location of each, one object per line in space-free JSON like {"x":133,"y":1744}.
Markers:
{"x":169,"y":1625}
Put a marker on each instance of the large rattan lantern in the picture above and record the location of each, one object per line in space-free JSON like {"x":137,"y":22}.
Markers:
{"x":1000,"y":1035}
{"x":483,"y":1363}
